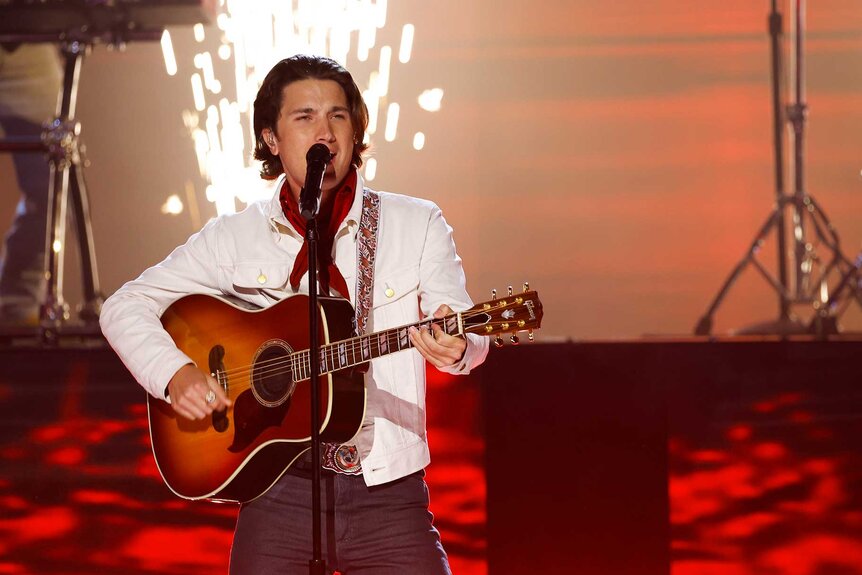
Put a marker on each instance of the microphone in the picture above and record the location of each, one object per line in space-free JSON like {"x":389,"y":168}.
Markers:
{"x":317,"y":158}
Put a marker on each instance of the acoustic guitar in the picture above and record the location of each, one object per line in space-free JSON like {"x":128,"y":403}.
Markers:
{"x":260,"y":358}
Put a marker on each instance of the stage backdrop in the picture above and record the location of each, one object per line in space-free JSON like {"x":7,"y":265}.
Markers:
{"x":616,"y":155}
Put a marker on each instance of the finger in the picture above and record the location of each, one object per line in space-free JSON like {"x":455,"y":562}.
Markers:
{"x":443,"y":311}
{"x":180,"y":411}
{"x":434,"y":353}
{"x":440,"y":336}
{"x":193,"y":413}
{"x":420,"y":342}
{"x":450,"y":347}
{"x":191,"y":408}
{"x":416,"y":337}
{"x":222,"y":401}
{"x":442,"y":340}
{"x":429,"y":337}
{"x":194,"y":399}
{"x":187,"y":390}
{"x":197,"y":398}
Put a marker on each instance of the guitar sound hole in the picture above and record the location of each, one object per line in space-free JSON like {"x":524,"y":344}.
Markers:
{"x":272,"y":383}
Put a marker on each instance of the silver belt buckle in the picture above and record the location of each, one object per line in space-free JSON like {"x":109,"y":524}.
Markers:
{"x":342,"y":459}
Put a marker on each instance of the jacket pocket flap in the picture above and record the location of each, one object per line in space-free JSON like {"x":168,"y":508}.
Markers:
{"x":390,"y":287}
{"x":260,"y":276}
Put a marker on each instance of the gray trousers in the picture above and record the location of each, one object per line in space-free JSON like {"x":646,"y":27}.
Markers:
{"x":383,"y":530}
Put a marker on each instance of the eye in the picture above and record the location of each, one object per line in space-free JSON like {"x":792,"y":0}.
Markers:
{"x":340,"y":115}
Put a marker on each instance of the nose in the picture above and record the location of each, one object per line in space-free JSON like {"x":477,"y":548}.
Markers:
{"x":325,"y":132}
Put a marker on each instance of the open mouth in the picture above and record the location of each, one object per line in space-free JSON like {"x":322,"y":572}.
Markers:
{"x":331,"y":164}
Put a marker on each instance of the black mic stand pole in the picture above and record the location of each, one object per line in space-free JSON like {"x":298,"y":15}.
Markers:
{"x":316,"y":565}
{"x":317,"y":157}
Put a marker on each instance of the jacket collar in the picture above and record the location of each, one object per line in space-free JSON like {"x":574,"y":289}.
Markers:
{"x":281,"y":225}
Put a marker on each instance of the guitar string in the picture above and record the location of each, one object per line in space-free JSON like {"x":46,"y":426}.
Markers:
{"x":350,"y":345}
{"x":353,"y":348}
{"x":302,"y":355}
{"x":286,"y":365}
{"x":300,"y":360}
{"x":276,"y":365}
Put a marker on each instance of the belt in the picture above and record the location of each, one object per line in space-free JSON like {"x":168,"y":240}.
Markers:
{"x":335,"y":458}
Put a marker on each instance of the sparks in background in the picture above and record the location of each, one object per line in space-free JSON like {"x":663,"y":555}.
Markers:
{"x":251,"y":38}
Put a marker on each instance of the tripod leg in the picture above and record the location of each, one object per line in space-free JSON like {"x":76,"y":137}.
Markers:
{"x":89,"y":273}
{"x":825,"y":321}
{"x":54,"y":310}
{"x":704,"y":325}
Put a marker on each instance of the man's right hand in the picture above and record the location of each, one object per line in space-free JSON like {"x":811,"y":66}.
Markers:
{"x":188,"y":390}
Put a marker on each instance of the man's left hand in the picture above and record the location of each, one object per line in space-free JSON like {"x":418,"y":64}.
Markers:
{"x":435,"y":345}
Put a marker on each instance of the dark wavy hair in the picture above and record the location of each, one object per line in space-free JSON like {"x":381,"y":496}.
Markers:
{"x":267,"y":104}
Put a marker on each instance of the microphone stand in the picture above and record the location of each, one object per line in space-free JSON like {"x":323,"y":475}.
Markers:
{"x":317,"y":157}
{"x":316,"y":565}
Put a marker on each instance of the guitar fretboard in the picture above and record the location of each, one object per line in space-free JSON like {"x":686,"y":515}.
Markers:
{"x":361,"y":349}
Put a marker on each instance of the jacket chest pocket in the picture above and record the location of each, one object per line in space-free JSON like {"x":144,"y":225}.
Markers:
{"x":395,"y":298}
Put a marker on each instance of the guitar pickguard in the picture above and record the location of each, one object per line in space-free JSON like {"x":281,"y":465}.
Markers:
{"x":251,"y":419}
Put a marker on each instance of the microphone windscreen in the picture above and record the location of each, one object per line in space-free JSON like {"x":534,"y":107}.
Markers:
{"x":318,"y":153}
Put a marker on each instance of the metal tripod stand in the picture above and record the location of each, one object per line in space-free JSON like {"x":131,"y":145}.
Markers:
{"x":60,"y":143}
{"x":803,"y":274}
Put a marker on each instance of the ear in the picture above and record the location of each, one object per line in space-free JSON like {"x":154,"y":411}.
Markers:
{"x":270,"y":140}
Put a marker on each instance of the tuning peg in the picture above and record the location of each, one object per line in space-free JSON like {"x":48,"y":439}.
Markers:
{"x":530,"y":335}
{"x":510,"y":290}
{"x":526,"y":286}
{"x":498,"y":341}
{"x":493,"y":294}
{"x":514,"y":339}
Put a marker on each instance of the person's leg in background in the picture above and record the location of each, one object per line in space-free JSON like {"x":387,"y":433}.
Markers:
{"x":30,"y":81}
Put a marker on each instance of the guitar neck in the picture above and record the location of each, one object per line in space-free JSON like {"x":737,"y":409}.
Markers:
{"x":513,"y":313}
{"x":362,"y":349}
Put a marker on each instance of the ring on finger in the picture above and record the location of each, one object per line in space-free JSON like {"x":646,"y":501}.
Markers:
{"x":210,"y":397}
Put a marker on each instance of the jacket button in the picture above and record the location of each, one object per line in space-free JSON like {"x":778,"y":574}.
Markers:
{"x":389,"y":292}
{"x":261,"y":279}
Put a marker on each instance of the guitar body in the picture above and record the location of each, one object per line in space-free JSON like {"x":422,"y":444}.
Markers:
{"x":261,"y":360}
{"x":238,"y":454}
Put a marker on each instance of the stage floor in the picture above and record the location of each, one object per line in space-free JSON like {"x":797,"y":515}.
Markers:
{"x":81,"y":494}
{"x":676,"y":455}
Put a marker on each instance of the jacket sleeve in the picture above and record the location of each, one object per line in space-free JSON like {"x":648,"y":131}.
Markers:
{"x":130,"y":317}
{"x":442,"y":281}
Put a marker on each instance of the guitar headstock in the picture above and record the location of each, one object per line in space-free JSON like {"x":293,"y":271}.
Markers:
{"x":510,"y":314}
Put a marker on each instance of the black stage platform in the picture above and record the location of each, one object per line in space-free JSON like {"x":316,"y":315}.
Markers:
{"x":732,"y":456}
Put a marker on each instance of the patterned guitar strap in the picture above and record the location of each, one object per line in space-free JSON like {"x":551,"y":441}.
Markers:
{"x":345,"y":458}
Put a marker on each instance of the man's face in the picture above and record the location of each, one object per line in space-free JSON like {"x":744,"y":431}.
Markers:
{"x":312,"y":111}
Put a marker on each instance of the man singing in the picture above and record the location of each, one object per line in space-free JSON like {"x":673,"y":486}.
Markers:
{"x":375,"y":497}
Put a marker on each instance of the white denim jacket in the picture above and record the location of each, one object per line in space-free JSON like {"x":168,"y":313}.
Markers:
{"x":249,"y":255}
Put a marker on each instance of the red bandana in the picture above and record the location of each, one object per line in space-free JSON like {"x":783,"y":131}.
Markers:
{"x":332,"y":213}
